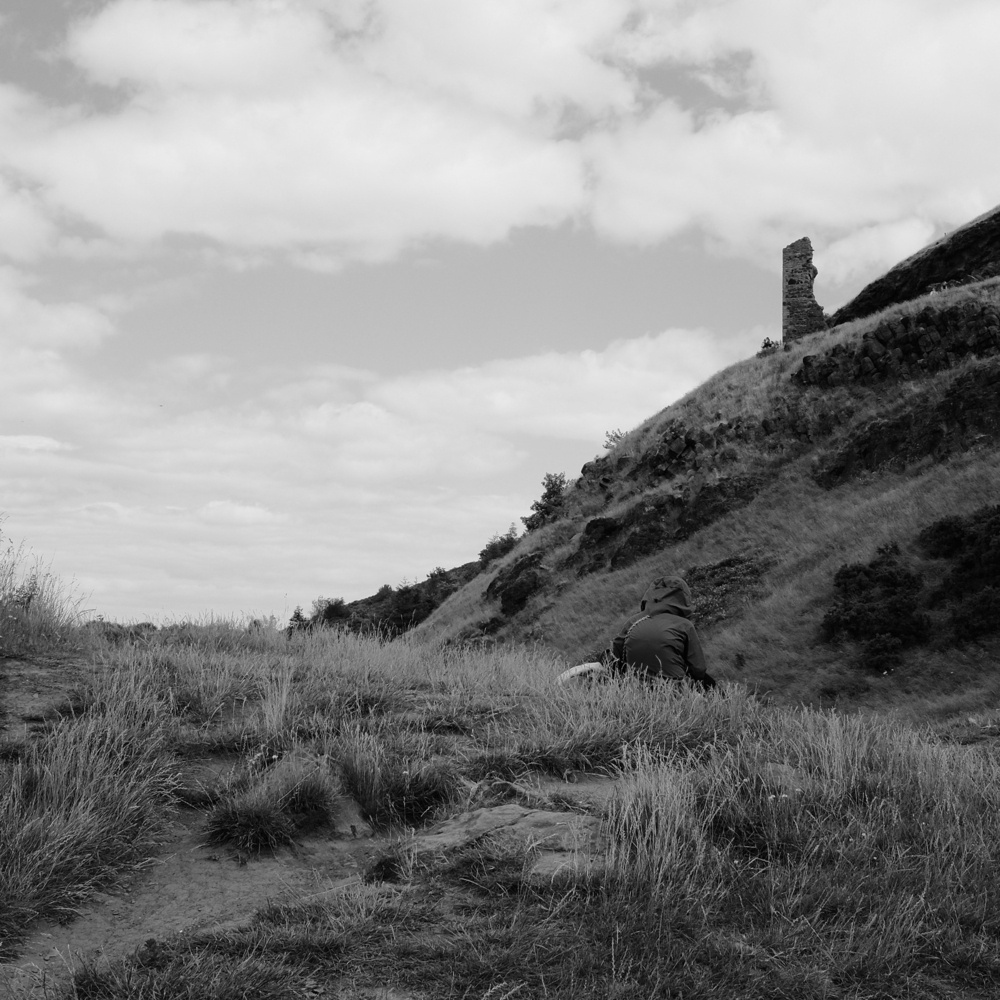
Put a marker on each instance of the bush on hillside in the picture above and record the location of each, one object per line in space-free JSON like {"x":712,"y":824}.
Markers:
{"x":973,"y":542}
{"x":499,"y":545}
{"x":876,"y":605}
{"x":549,"y":506}
{"x":977,"y":614}
{"x":768,"y":347}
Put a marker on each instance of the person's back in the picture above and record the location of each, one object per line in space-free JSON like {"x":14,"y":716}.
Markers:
{"x":661,"y":642}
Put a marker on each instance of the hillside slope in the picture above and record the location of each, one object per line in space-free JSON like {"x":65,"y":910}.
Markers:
{"x":758,"y":487}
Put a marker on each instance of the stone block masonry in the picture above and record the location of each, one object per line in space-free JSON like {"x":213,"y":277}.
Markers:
{"x":800,"y":313}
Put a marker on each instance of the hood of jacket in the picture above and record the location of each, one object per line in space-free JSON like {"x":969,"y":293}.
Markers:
{"x":668,"y":594}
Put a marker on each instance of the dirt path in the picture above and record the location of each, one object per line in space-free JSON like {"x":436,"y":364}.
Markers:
{"x":192,"y":886}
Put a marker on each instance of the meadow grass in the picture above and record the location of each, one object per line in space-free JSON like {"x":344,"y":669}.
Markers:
{"x":751,"y":850}
{"x":80,"y":808}
{"x":38,"y":611}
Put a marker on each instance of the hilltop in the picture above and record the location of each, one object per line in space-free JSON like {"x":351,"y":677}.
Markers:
{"x":764,"y":482}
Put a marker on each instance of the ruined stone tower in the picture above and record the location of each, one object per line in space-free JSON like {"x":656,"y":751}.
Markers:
{"x":800,"y":313}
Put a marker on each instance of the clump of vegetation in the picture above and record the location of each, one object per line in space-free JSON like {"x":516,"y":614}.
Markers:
{"x":549,"y":507}
{"x":769,"y":347}
{"x":294,"y":796}
{"x":613,"y":438}
{"x":498,"y":546}
{"x":185,"y":974}
{"x":393,"y":777}
{"x":79,"y":809}
{"x":37,"y":611}
{"x":972,"y":544}
{"x":877,"y":606}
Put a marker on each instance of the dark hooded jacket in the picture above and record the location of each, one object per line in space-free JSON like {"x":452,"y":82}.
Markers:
{"x":660,"y":641}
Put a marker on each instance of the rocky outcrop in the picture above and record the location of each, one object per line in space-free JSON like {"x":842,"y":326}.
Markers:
{"x":968,"y":253}
{"x":658,"y":521}
{"x":515,"y":584}
{"x":927,"y":424}
{"x":800,"y":313}
{"x":908,"y":346}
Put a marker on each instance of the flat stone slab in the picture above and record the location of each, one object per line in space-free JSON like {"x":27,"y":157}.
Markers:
{"x":551,"y":831}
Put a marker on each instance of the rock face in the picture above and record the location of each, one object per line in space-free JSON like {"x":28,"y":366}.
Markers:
{"x":655,"y":522}
{"x":800,"y":313}
{"x":515,"y":584}
{"x":971,"y":252}
{"x":908,"y":346}
{"x":927,"y":424}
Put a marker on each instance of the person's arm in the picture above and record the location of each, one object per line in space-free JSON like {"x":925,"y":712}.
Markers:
{"x":614,"y":657}
{"x":694,"y":659}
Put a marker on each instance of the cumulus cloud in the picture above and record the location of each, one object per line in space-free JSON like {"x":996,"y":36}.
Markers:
{"x":329,"y":131}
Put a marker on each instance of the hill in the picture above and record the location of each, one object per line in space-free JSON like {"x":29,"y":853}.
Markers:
{"x":761,"y":485}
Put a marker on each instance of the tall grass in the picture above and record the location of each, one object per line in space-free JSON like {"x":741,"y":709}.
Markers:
{"x":752,"y":850}
{"x":864,"y":861}
{"x":79,"y":809}
{"x":38,"y":611}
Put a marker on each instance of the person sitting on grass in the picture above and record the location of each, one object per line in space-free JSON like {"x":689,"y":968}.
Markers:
{"x":660,"y":642}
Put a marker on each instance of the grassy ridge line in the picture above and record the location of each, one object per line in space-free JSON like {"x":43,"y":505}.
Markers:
{"x":753,"y":851}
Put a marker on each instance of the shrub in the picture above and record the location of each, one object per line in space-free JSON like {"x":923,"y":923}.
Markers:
{"x":973,"y":543}
{"x":549,"y":506}
{"x":977,"y":614}
{"x":499,"y":545}
{"x":768,"y":347}
{"x":613,"y":438}
{"x":876,"y":604}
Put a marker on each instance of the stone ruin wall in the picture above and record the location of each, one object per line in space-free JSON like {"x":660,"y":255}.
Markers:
{"x":800,"y":313}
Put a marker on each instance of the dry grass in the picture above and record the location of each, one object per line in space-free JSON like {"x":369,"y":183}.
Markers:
{"x":753,"y":850}
{"x":38,"y":611}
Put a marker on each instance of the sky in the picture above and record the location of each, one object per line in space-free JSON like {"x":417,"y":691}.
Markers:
{"x":303,"y":297}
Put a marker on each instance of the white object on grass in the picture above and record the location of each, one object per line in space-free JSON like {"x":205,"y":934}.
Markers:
{"x":583,"y":672}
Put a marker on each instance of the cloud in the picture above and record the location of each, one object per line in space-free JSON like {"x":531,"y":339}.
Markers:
{"x":30,"y":443}
{"x":867,"y":248}
{"x":30,"y":322}
{"x":891,"y":147}
{"x":326,"y":132}
{"x":229,"y":512}
{"x":573,"y":395}
{"x":334,"y":480}
{"x":252,"y":125}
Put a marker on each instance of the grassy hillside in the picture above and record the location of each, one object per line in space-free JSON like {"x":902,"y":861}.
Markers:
{"x":758,"y":487}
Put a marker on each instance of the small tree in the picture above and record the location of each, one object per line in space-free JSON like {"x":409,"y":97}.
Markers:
{"x":297,"y":622}
{"x":331,"y":612}
{"x":499,"y":545}
{"x":550,"y":506}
